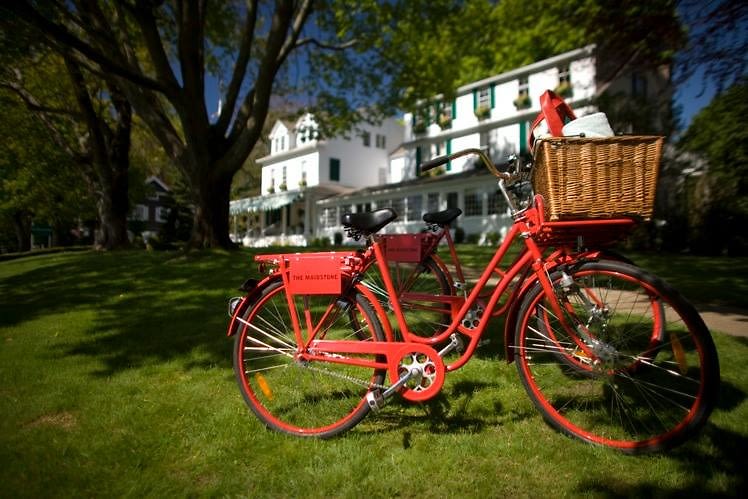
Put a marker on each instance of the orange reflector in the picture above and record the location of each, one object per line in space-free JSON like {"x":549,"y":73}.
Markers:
{"x":263,"y":384}
{"x":680,"y":355}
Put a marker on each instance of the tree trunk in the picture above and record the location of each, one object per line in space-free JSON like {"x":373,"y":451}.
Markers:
{"x":112,"y":232}
{"x":211,"y":218}
{"x":22,"y":227}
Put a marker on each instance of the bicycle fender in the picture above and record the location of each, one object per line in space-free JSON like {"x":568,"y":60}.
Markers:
{"x":253,"y":288}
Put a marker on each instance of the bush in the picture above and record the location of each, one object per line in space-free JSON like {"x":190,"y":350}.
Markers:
{"x":338,"y":236}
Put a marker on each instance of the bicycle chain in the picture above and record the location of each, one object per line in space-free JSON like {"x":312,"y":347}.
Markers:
{"x":364,"y":383}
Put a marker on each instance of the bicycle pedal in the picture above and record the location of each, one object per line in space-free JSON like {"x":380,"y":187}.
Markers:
{"x":375,"y":400}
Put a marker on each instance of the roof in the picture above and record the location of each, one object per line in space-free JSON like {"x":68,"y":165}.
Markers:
{"x":158,"y":182}
{"x":420,"y":181}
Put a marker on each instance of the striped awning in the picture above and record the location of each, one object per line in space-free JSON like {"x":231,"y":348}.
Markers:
{"x":263,"y":203}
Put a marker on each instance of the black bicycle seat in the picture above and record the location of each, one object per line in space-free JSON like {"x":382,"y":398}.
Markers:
{"x":442,"y":217}
{"x":368,"y":222}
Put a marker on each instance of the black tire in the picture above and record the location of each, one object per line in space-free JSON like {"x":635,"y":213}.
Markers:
{"x":645,"y":376}
{"x":320,"y":399}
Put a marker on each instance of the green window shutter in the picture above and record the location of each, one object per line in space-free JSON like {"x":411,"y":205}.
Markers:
{"x":454,"y":108}
{"x":449,"y":151}
{"x":418,"y":160}
{"x":493,"y":95}
{"x":523,"y":137}
{"x":475,"y":99}
{"x":334,"y":169}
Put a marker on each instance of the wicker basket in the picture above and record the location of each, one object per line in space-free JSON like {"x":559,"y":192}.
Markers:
{"x":597,"y":177}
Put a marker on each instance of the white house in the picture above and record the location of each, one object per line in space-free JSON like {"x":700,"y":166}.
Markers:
{"x":494,"y":114}
{"x":302,"y":168}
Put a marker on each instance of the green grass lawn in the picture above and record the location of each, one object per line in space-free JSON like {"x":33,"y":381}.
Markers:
{"x":116,"y":380}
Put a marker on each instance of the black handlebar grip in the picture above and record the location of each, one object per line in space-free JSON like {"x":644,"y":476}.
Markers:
{"x":433,"y":163}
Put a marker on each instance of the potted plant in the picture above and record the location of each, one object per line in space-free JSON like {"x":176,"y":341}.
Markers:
{"x":522,"y":101}
{"x":564,"y":89}
{"x":419,"y":127}
{"x":482,"y":112}
{"x":283,"y":187}
{"x":302,"y":183}
{"x":271,"y":189}
{"x":445,"y":121}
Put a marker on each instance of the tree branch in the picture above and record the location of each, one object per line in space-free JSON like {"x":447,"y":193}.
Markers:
{"x":240,"y":69}
{"x":32,"y":105}
{"x":298,"y":24}
{"x":55,"y":32}
{"x":326,"y":46}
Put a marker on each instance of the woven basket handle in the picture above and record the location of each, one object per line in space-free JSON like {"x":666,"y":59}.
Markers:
{"x":555,"y":111}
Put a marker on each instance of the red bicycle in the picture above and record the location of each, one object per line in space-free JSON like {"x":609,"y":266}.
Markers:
{"x":607,"y":352}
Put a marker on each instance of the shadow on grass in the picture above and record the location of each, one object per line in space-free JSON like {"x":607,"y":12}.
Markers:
{"x":451,"y":411}
{"x":699,"y":468}
{"x":146,"y":308}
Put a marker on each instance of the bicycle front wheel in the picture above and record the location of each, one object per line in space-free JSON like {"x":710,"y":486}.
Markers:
{"x":319,"y":399}
{"x":622,"y":361}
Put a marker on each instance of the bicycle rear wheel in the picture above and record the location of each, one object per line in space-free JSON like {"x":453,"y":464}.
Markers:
{"x":633,"y":368}
{"x":319,"y":399}
{"x":417,"y":284}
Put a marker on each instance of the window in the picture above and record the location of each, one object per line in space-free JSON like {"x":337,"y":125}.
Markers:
{"x":346,"y":208}
{"x":473,"y":203}
{"x":334,"y":169}
{"x":366,"y":139}
{"x":484,"y":98}
{"x":397,"y":204}
{"x":638,"y":85}
{"x":524,"y":87}
{"x":452,"y":200}
{"x":329,"y":217}
{"x":283,"y":176}
{"x":381,"y":141}
{"x":564,"y":88}
{"x":496,"y":203}
{"x":432,"y":202}
{"x":382,"y":176}
{"x":303,"y":173}
{"x":414,"y":208}
{"x":162,"y":214}
{"x":140,"y":213}
{"x":363,"y":207}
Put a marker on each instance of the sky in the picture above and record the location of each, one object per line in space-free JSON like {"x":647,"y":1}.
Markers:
{"x":692,"y":97}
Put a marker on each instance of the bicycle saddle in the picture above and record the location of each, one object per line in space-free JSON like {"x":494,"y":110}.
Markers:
{"x":368,"y":222}
{"x":442,"y":217}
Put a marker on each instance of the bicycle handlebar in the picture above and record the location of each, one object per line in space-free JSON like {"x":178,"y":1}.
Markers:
{"x":433,"y":163}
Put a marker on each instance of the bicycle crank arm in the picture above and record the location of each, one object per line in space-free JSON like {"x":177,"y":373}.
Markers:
{"x":376,"y":398}
{"x":399,"y":358}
